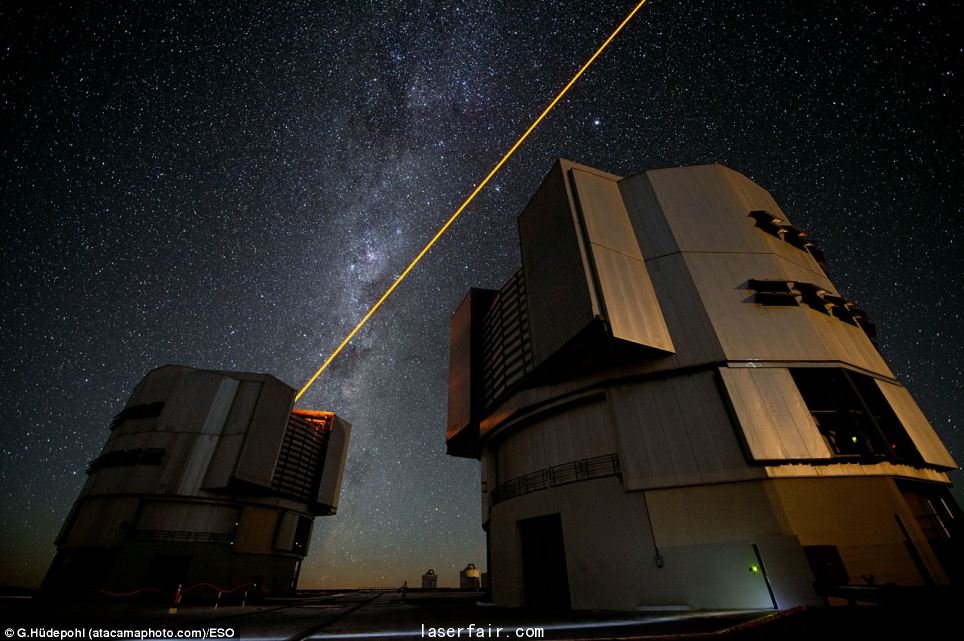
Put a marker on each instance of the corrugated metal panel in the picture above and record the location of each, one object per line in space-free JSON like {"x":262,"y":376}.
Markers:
{"x":773,"y":417}
{"x":506,"y":347}
{"x":709,"y":428}
{"x":557,"y":280}
{"x":575,"y":433}
{"x":333,"y":469}
{"x":630,"y":304}
{"x":632,"y":310}
{"x":919,"y":429}
{"x":298,"y":468}
{"x":676,"y":431}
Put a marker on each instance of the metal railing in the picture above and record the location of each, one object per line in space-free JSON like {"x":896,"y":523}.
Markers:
{"x":183,"y":536}
{"x":563,"y":474}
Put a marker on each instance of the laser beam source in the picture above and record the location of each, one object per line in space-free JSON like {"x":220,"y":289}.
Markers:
{"x":475,"y":192}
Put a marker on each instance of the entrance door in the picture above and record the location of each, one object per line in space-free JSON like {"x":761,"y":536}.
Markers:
{"x":544,"y":577}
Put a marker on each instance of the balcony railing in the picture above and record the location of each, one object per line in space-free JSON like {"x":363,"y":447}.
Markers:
{"x":563,"y":474}
{"x":181,"y":536}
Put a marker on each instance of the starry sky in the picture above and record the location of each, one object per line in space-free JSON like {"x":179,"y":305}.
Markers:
{"x":229,"y":185}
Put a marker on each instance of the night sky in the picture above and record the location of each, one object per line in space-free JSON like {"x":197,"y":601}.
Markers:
{"x":230,"y":188}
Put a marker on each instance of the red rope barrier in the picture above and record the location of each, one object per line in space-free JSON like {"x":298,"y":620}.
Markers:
{"x":183,"y":591}
{"x":218,"y":588}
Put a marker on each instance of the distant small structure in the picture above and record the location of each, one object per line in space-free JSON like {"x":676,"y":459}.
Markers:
{"x":429,"y":580}
{"x":470,"y":578}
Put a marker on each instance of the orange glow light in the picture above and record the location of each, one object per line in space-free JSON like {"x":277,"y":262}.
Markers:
{"x":475,"y":192}
{"x":320,"y":421}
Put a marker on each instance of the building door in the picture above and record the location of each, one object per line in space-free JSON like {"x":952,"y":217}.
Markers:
{"x":544,"y":577}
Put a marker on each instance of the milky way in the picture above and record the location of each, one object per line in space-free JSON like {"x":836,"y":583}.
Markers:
{"x":190,"y":182}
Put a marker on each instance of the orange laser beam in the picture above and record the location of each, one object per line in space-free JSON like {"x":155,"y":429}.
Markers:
{"x":468,"y":201}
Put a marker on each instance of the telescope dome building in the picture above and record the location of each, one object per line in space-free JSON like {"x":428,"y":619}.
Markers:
{"x":673,"y":406}
{"x":206,"y":477}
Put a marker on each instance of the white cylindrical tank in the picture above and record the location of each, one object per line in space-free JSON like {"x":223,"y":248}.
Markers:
{"x":470,"y":578}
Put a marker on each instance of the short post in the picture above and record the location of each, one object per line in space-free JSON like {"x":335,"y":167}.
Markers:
{"x":177,"y":600}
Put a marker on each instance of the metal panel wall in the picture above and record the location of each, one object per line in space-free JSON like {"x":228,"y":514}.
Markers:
{"x":773,"y":416}
{"x":187,"y":517}
{"x":98,"y":522}
{"x":506,"y":349}
{"x":558,"y":286}
{"x":158,"y":385}
{"x":229,"y":446}
{"x":919,"y":429}
{"x":705,"y":212}
{"x":263,"y":441}
{"x":694,"y":338}
{"x":207,"y":439}
{"x":186,"y":409}
{"x":460,"y":367}
{"x":466,"y":370}
{"x":298,"y":468}
{"x":242,"y":410}
{"x":750,"y":331}
{"x":284,"y":538}
{"x":676,"y":431}
{"x":628,"y":299}
{"x":256,"y":532}
{"x":571,"y":434}
{"x":333,"y":470}
{"x":653,"y":232}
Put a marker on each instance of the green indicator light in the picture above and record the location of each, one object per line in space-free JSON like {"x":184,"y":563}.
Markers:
{"x":853,"y":438}
{"x":755,"y":569}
